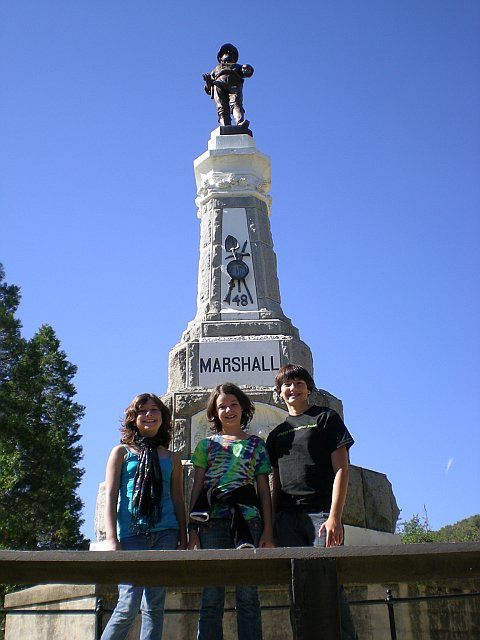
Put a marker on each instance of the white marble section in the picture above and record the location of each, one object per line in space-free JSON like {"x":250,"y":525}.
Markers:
{"x":232,"y":166}
{"x":218,"y":141}
{"x":200,"y":428}
{"x":242,"y":361}
{"x":243,"y":295}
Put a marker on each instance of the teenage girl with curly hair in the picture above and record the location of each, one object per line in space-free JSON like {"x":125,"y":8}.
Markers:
{"x":144,"y":508}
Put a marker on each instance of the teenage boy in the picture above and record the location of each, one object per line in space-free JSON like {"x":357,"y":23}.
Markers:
{"x":309,"y":457}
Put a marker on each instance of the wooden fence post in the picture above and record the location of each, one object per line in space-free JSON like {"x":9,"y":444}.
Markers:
{"x":315,"y":604}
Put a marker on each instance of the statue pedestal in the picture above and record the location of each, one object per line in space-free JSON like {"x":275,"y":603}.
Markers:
{"x":240,"y":332}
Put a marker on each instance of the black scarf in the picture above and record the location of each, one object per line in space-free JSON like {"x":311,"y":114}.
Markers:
{"x":147,"y":485}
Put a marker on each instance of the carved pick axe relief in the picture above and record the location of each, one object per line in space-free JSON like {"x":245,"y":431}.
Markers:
{"x":239,"y":293}
{"x":238,"y":270}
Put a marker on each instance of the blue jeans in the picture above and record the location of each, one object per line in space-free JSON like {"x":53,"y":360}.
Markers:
{"x":215,"y":534}
{"x":300,"y":529}
{"x":150,"y":600}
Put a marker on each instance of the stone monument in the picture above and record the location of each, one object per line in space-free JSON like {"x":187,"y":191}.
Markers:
{"x":240,"y":333}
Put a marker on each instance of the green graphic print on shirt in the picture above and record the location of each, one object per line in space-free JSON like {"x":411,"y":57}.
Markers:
{"x":231,"y":464}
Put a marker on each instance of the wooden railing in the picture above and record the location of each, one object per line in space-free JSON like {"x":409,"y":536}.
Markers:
{"x":314,"y":574}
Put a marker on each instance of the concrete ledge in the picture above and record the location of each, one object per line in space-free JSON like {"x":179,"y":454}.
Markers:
{"x":355,"y":565}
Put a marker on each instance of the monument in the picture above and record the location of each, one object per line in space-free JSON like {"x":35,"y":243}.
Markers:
{"x":239,"y":332}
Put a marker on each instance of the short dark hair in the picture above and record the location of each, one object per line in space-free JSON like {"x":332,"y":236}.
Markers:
{"x":293,"y":372}
{"x":129,"y":428}
{"x":228,"y":388}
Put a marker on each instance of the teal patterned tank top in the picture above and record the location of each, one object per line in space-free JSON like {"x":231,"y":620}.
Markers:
{"x":167,"y":519}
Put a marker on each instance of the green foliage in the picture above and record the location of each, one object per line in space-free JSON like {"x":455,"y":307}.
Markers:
{"x":39,"y":450}
{"x":417,"y":530}
{"x":467,"y":530}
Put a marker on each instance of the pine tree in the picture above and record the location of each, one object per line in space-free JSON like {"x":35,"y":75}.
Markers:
{"x":11,"y":348}
{"x":39,"y":450}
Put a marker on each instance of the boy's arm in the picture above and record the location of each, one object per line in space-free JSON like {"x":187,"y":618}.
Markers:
{"x":263,"y":491}
{"x":178,"y":499}
{"x":198,"y":481}
{"x":333,"y":525}
{"x":276,"y":486}
{"x":112,"y":485}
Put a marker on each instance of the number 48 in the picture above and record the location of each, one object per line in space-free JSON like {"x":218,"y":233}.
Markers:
{"x":241,"y":300}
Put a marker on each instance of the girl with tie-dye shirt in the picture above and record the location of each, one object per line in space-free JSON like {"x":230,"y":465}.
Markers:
{"x":231,"y":463}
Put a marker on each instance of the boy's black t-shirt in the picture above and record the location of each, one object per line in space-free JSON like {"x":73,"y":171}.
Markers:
{"x":301,"y":449}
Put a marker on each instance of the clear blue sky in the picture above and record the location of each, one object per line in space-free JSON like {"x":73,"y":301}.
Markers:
{"x":370,"y":114}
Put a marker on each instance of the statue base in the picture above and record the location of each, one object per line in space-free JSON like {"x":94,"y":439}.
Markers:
{"x":234,"y":130}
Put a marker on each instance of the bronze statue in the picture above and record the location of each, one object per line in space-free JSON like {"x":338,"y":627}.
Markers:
{"x":225,"y":85}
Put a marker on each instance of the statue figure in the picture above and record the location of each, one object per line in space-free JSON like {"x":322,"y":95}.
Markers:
{"x":225,"y":85}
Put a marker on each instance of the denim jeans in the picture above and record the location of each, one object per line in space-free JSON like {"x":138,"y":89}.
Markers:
{"x":150,"y":600}
{"x":300,"y":529}
{"x":215,"y":534}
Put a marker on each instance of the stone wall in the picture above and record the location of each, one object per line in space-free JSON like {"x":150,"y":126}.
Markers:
{"x":52,"y":626}
{"x":457,"y":619}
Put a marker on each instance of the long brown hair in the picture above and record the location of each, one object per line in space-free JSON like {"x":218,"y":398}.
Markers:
{"x":228,"y":388}
{"x":129,"y":428}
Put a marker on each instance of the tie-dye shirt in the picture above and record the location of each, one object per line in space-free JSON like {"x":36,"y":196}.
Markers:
{"x":231,"y":464}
